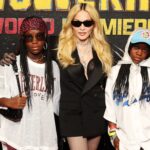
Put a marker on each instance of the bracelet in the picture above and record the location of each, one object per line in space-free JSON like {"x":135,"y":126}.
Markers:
{"x":112,"y":134}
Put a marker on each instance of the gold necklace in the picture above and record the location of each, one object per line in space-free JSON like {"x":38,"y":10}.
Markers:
{"x":37,"y":60}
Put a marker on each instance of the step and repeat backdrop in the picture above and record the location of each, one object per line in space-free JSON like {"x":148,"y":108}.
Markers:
{"x":118,"y":17}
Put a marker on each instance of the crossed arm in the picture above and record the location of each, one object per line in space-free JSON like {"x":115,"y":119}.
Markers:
{"x":14,"y":102}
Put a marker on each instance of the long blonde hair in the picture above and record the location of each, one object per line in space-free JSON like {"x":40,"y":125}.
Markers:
{"x":67,"y":40}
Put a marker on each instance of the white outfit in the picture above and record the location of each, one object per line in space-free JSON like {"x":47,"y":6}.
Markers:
{"x":36,"y":130}
{"x":132,"y":115}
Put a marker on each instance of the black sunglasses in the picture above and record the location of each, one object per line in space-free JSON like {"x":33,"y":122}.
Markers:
{"x":86,"y":23}
{"x":39,"y":37}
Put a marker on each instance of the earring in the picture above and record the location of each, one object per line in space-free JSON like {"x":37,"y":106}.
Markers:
{"x":45,"y":47}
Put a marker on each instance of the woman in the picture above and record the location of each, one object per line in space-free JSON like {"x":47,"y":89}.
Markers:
{"x":85,"y":59}
{"x":39,"y":79}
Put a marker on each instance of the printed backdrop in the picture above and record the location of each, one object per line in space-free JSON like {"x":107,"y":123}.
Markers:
{"x":119,"y":18}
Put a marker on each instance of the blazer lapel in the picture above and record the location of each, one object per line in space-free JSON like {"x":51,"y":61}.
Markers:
{"x":76,"y":71}
{"x":95,"y":76}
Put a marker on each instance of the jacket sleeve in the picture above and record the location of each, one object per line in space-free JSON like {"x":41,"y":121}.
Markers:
{"x":110,"y":112}
{"x":57,"y":91}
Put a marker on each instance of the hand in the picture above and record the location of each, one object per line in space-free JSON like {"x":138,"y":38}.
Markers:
{"x":7,"y":58}
{"x":17,"y":102}
{"x":116,"y":143}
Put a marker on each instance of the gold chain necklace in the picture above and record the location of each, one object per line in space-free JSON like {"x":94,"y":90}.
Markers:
{"x":37,"y":60}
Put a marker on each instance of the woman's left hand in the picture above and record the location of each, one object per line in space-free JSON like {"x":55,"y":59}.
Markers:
{"x":116,"y":143}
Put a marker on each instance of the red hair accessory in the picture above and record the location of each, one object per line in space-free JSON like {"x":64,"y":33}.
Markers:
{"x":33,"y":23}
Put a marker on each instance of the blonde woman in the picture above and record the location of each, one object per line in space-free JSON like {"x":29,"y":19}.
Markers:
{"x":85,"y":59}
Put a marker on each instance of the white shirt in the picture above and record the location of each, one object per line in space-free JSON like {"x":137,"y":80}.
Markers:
{"x":36,"y":130}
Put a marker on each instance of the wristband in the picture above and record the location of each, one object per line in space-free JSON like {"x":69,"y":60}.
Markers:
{"x":112,"y":134}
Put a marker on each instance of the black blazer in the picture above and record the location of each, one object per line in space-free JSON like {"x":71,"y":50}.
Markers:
{"x":83,"y":97}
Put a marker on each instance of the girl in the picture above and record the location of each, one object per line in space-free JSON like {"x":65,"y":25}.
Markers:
{"x":128,"y":95}
{"x":85,"y":60}
{"x":39,"y":79}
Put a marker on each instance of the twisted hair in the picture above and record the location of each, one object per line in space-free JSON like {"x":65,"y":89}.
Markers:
{"x":25,"y":69}
{"x":122,"y":82}
{"x":146,"y":84}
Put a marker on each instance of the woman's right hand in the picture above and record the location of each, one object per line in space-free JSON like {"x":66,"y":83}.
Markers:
{"x":16,"y":102}
{"x":7,"y":58}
